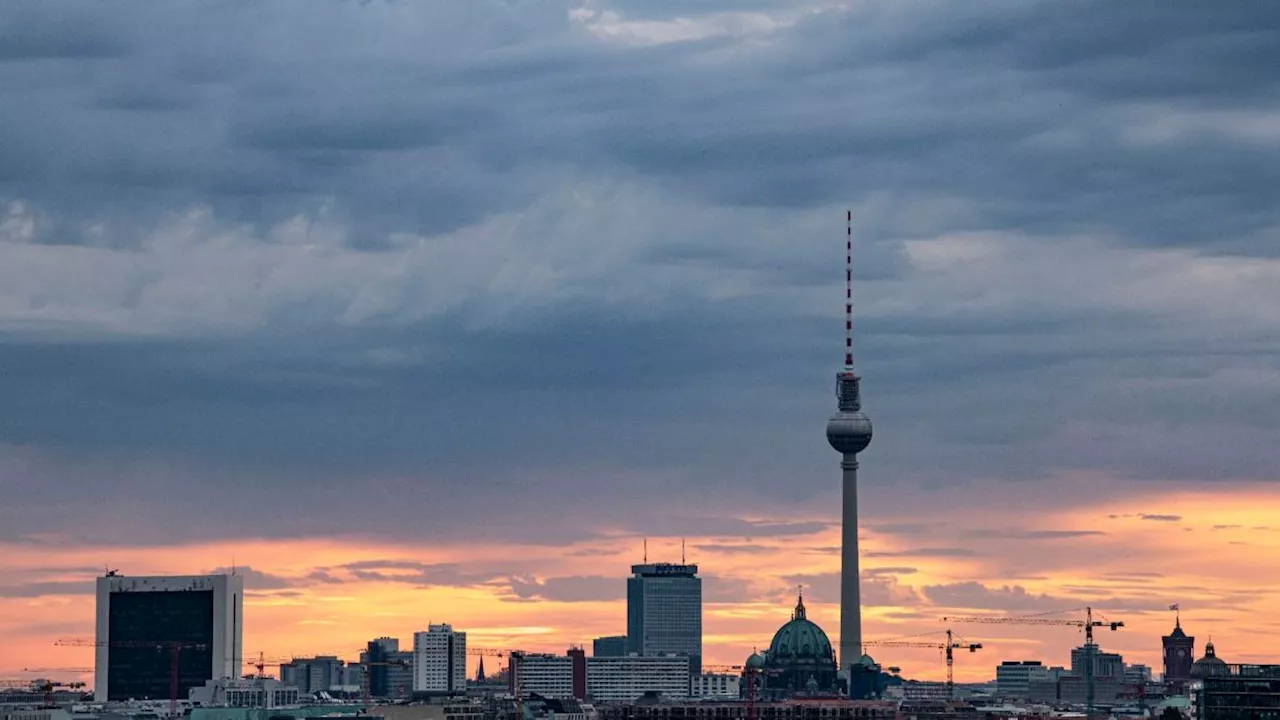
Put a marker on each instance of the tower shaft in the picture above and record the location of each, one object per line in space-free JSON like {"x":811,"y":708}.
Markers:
{"x":850,"y":589}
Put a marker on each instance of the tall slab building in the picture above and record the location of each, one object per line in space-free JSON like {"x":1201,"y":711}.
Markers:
{"x":142,"y":621}
{"x":664,"y":612}
{"x":439,"y":660}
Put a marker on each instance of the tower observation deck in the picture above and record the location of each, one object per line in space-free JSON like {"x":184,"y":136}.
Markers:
{"x":849,"y":432}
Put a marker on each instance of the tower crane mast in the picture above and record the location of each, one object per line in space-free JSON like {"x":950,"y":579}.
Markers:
{"x":1088,"y":624}
{"x":947,"y":647}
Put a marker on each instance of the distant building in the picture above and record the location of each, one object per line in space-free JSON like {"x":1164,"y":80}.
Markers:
{"x":202,"y":615}
{"x":1105,"y":664}
{"x":717,"y":686}
{"x":798,"y":709}
{"x":1014,"y":677}
{"x":247,"y":693}
{"x":1237,"y":692}
{"x":1179,"y":653}
{"x":376,"y":656}
{"x":664,"y":611}
{"x":1210,"y":664}
{"x":604,"y":679}
{"x":440,"y":660}
{"x":1137,"y":674}
{"x":549,"y":676}
{"x":611,"y":646}
{"x":312,"y":675}
{"x":625,"y":679}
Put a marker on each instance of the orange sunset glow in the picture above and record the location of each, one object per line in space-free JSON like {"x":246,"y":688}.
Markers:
{"x":1206,"y":551}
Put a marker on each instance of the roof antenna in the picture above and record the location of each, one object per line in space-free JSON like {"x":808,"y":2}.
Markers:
{"x":682,"y":551}
{"x":646,"y":551}
{"x":848,"y":290}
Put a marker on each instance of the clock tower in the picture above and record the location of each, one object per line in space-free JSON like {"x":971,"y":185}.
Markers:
{"x":1179,"y":654}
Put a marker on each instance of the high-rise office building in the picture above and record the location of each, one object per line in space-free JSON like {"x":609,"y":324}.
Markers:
{"x":440,"y":660}
{"x":1014,"y":677}
{"x":611,"y":646}
{"x":664,"y":612}
{"x":142,"y":620}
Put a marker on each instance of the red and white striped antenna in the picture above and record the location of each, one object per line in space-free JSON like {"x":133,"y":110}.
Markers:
{"x":848,"y":290}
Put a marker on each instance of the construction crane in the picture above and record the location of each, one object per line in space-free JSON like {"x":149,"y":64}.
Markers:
{"x":1088,"y":624}
{"x":62,"y":670}
{"x":947,"y":647}
{"x":174,"y":648}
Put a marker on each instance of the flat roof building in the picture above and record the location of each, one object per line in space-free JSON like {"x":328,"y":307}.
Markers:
{"x":664,"y":611}
{"x":143,"y":621}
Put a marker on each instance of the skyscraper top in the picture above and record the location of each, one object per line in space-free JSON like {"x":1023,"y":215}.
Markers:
{"x":656,"y":569}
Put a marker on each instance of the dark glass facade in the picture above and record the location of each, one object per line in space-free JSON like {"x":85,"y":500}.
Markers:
{"x":611,"y":646}
{"x":150,"y":620}
{"x":1245,"y":692}
{"x":664,"y":611}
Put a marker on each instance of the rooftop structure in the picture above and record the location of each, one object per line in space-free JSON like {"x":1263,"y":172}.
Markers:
{"x":849,"y":432}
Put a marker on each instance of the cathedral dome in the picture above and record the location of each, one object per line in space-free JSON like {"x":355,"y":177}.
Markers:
{"x":800,"y":638}
{"x":1210,"y":664}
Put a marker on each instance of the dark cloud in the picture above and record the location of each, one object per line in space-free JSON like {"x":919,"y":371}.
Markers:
{"x":1160,"y":518}
{"x":1033,"y":534}
{"x":570,"y":589}
{"x":474,"y":232}
{"x":936,"y":552}
{"x":255,"y":579}
{"x":975,"y":595}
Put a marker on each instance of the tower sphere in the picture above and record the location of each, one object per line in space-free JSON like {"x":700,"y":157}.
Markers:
{"x":849,"y":431}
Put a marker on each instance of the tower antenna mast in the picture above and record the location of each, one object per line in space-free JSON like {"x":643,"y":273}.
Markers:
{"x":848,"y":289}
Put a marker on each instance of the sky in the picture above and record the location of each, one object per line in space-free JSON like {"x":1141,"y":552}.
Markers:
{"x":434,"y":312}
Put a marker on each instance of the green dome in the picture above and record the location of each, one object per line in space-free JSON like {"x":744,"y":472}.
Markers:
{"x":755,"y":662}
{"x":799,"y":638}
{"x":867,"y":661}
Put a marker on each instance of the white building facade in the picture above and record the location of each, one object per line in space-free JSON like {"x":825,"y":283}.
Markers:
{"x":201,"y":615}
{"x":1014,"y":677}
{"x":440,"y":660}
{"x":248,"y":693}
{"x":544,"y":674}
{"x":624,"y":679}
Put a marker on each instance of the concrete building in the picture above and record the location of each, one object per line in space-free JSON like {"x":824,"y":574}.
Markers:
{"x":200,"y":616}
{"x":1137,"y":674}
{"x":1014,"y":677}
{"x":664,"y":611}
{"x":312,"y":675}
{"x":849,"y":433}
{"x":248,"y":693}
{"x":440,"y":660}
{"x":624,"y":679}
{"x":716,"y":687}
{"x":561,"y":677}
{"x":440,"y":709}
{"x":611,"y":646}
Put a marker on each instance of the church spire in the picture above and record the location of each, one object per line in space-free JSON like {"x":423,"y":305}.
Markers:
{"x":799,"y":613}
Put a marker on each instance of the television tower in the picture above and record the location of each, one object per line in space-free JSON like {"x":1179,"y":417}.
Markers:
{"x":849,"y":432}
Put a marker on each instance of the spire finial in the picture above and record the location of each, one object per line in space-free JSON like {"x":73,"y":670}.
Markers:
{"x":848,"y":289}
{"x":799,"y":613}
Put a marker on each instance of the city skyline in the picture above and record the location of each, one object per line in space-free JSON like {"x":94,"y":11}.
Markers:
{"x":432,"y":312}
